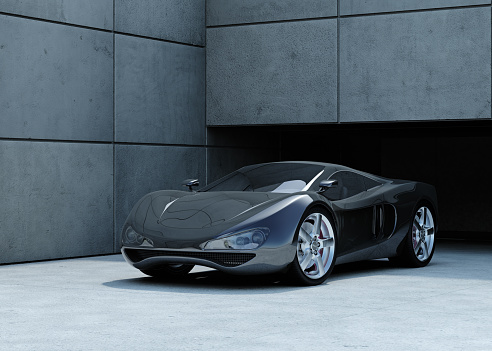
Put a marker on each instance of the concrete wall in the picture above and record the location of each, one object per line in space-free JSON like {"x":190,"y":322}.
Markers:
{"x":275,"y":62}
{"x":360,"y":7}
{"x":57,"y":199}
{"x":272,"y":73}
{"x":98,"y":106}
{"x":225,"y":12}
{"x":56,"y":81}
{"x":416,"y":66}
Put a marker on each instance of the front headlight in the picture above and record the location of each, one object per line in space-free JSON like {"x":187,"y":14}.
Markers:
{"x":131,"y":237}
{"x":247,"y":240}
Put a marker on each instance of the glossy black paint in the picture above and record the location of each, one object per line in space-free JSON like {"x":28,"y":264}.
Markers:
{"x":372,"y":215}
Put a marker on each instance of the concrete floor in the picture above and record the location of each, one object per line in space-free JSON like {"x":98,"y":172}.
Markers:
{"x":102,"y":303}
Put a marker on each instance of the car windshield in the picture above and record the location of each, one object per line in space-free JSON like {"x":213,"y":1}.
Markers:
{"x":272,"y":177}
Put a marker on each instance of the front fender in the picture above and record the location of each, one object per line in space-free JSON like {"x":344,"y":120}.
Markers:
{"x":281,"y":218}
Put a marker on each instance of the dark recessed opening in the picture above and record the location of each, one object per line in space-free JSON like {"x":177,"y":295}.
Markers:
{"x":455,"y":156}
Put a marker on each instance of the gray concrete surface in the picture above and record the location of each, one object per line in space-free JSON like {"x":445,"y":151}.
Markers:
{"x":353,"y":7}
{"x":416,"y":66}
{"x":63,"y":84}
{"x":97,"y":14}
{"x":224,"y":12}
{"x":159,"y":92}
{"x":56,"y":81}
{"x":102,"y":303}
{"x":177,"y":20}
{"x":277,"y":73}
{"x":141,"y":169}
{"x":56,"y":200}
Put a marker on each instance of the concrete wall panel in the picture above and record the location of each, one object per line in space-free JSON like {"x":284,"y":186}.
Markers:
{"x":159,"y":92}
{"x":57,"y":200}
{"x":416,"y":66}
{"x":56,"y":81}
{"x":354,"y":7}
{"x":93,"y":13}
{"x":272,"y":73}
{"x":176,"y":20}
{"x":223,"y":12}
{"x":143,"y":169}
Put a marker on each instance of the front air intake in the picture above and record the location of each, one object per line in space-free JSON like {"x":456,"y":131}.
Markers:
{"x":226,"y":259}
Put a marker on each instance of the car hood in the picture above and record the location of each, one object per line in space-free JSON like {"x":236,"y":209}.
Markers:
{"x":203,"y":210}
{"x":178,"y":219}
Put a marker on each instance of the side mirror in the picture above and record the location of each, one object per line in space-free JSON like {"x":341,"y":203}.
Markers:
{"x":190,"y":183}
{"x":326,"y":184}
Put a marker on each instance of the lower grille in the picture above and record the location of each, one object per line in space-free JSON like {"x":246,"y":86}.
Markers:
{"x":226,"y":259}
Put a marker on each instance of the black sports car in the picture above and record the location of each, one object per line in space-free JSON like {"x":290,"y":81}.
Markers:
{"x":294,"y":217}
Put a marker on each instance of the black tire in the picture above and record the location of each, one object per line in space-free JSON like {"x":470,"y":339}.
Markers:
{"x":321,"y":248}
{"x":170,"y":271}
{"x":419,"y":243}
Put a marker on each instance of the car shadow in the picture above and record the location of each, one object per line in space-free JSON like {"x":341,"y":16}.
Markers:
{"x":215,"y":281}
{"x":370,"y":267}
{"x":207,"y":282}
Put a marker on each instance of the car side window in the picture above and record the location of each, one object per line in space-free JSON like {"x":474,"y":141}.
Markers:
{"x":349,"y":184}
{"x":370,"y":183}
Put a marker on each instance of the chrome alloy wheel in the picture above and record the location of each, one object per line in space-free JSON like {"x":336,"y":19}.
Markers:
{"x":423,"y":233}
{"x":315,"y":246}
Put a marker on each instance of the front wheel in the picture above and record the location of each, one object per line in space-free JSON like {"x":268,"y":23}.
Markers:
{"x":169,"y":271}
{"x":315,"y":248}
{"x":419,"y":246}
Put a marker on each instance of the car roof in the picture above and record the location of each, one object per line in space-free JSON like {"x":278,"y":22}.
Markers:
{"x":330,"y":168}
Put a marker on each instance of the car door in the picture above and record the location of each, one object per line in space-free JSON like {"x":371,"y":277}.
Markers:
{"x":359,"y":209}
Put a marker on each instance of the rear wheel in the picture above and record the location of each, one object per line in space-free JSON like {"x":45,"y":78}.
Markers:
{"x":169,"y":271}
{"x":419,"y":245}
{"x":316,"y":244}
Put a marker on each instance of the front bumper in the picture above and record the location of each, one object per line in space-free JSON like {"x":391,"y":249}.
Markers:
{"x":261,"y":261}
